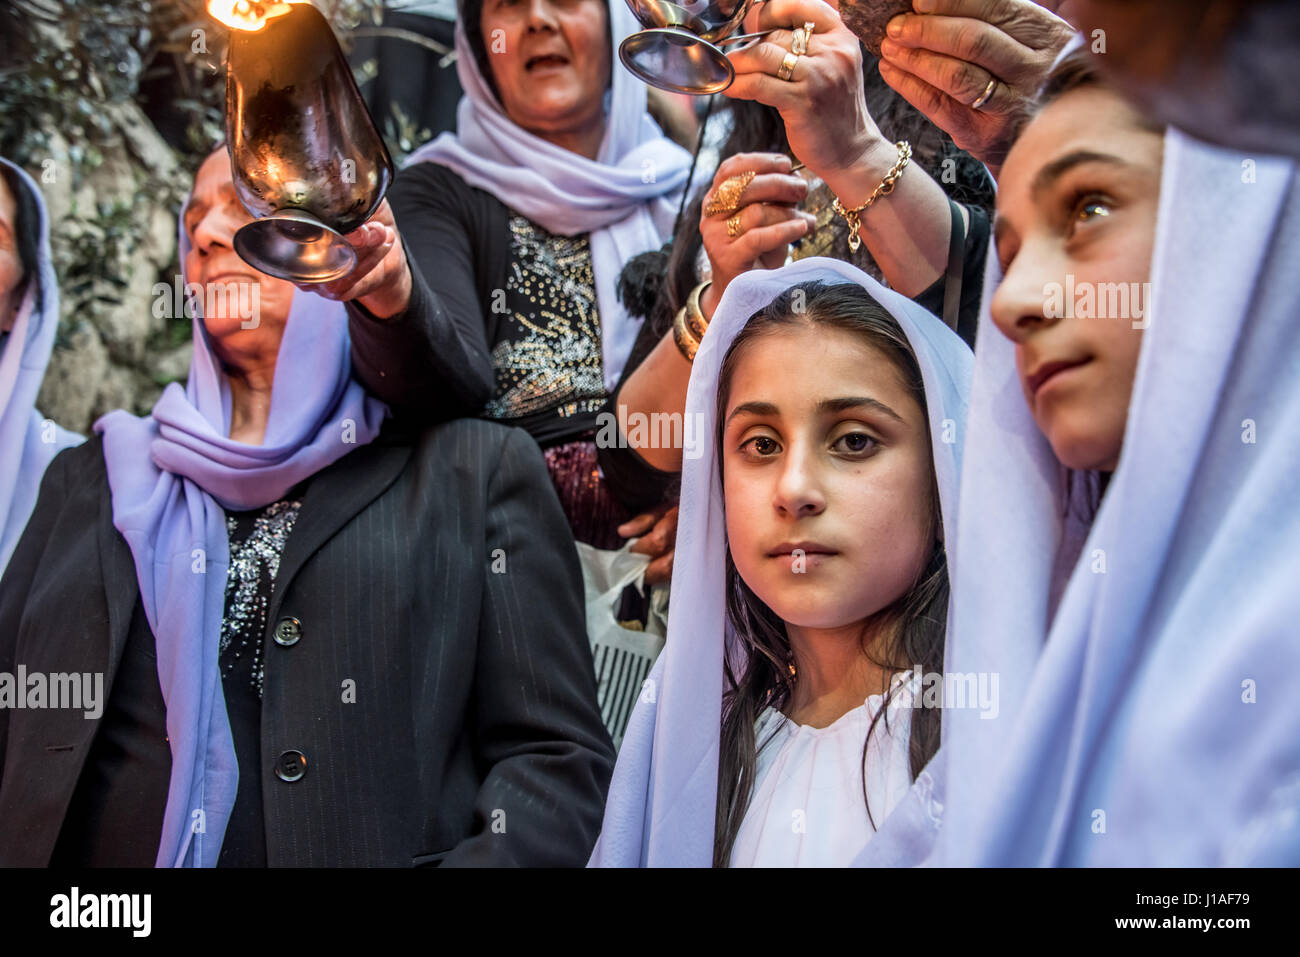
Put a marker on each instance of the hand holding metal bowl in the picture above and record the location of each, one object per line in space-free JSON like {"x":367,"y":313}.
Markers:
{"x":680,"y":49}
{"x":305,"y":156}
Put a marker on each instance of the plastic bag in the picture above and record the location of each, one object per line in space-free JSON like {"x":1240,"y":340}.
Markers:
{"x":622,"y":656}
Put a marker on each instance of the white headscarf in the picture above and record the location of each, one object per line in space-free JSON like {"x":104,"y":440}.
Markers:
{"x":626,"y":198}
{"x":1155,"y":722}
{"x":662,"y":798}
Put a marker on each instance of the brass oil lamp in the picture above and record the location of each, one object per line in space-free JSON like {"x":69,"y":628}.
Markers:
{"x":305,"y":156}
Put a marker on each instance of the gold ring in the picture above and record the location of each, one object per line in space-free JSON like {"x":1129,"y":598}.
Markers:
{"x":726,"y":199}
{"x":733,"y":226}
{"x":786,"y":71}
{"x":986,"y":95}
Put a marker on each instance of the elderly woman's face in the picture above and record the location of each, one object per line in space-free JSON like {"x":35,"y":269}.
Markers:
{"x":1075,"y":228}
{"x":550,"y":60}
{"x":244,"y":311}
{"x":11,"y":264}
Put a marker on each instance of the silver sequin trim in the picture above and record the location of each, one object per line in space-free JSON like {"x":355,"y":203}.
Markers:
{"x":246,"y":599}
{"x":557,"y":360}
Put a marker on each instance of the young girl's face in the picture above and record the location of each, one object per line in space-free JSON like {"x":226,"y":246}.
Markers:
{"x":1075,"y":227}
{"x":827,"y":477}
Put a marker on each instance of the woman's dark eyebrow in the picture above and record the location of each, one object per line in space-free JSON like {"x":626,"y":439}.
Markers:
{"x":753,"y":408}
{"x":1058,"y":167}
{"x":858,"y":402}
{"x":823,"y":407}
{"x":1049,"y":174}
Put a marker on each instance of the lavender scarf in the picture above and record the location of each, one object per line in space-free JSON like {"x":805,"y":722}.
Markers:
{"x":28,"y":441}
{"x":171,"y":475}
{"x":626,"y":198}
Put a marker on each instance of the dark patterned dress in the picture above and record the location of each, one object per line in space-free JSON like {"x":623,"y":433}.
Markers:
{"x":550,"y":376}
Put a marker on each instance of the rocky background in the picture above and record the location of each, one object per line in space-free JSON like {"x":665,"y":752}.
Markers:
{"x":111,"y":106}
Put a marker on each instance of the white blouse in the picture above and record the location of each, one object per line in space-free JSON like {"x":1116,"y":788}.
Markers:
{"x":807,"y":809}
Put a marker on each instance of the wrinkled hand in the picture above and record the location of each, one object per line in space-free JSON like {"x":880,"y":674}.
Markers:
{"x":661,"y":526}
{"x":822,"y":105}
{"x":381,"y":279}
{"x":768,"y":219}
{"x":942,"y":61}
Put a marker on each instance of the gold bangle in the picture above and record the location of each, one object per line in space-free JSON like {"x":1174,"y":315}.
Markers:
{"x":686,"y":344}
{"x":853,"y":216}
{"x":695,"y":320}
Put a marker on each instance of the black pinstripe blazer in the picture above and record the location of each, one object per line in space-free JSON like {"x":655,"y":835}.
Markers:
{"x":434,"y":570}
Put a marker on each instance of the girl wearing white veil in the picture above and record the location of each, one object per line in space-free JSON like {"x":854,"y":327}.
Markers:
{"x":1144,"y":653}
{"x":839,"y":459}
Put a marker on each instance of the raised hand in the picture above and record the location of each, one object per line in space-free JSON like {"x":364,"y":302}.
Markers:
{"x":381,"y":279}
{"x":973,"y":66}
{"x":749,"y":217}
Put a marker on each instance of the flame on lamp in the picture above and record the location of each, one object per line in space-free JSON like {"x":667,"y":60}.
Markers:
{"x":250,"y":15}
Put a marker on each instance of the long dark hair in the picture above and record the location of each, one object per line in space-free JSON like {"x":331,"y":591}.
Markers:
{"x":911,"y":629}
{"x":655,"y":284}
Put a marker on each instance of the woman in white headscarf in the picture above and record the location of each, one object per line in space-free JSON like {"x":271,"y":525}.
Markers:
{"x":1144,"y":641}
{"x":515,"y":229}
{"x":29,"y":318}
{"x":786,"y":718}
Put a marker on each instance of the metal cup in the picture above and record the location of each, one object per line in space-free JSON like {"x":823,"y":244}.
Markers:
{"x":680,"y":48}
{"x":305,"y":156}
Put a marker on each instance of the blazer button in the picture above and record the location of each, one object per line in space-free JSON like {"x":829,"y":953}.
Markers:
{"x":291,"y":766}
{"x":287,"y":632}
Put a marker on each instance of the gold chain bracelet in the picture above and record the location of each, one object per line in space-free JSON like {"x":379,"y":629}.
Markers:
{"x":854,"y":216}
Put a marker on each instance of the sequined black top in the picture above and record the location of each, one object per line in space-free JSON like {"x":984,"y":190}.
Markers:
{"x":547,"y":352}
{"x":502,"y":323}
{"x":257,"y":541}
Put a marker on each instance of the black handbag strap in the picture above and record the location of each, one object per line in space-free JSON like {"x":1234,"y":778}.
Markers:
{"x":956,"y":265}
